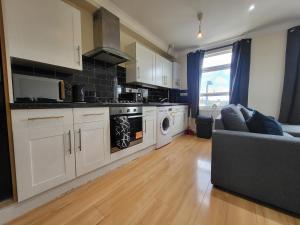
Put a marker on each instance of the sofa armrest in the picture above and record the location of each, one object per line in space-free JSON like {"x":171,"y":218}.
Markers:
{"x":219,"y":124}
{"x":263,"y":167}
{"x":291,"y":129}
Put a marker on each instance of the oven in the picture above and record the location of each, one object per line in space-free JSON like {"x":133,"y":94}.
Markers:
{"x":134,"y":120}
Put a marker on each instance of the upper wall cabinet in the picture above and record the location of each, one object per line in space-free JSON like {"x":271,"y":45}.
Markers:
{"x":148,"y":68}
{"x":44,"y":31}
{"x":176,"y":75}
{"x":142,"y":70}
{"x":167,"y":73}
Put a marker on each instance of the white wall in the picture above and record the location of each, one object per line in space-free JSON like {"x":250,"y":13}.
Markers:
{"x":267,"y":72}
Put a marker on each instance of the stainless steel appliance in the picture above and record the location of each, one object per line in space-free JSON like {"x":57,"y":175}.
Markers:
{"x":135,"y":119}
{"x":37,"y":89}
{"x":107,"y":39}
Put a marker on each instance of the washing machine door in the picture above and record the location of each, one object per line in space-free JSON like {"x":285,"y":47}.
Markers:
{"x":165,"y":124}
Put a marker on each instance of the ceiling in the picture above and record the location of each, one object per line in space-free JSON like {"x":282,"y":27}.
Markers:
{"x":175,"y":21}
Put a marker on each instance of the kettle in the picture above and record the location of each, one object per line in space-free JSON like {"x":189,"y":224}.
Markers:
{"x":78,"y":93}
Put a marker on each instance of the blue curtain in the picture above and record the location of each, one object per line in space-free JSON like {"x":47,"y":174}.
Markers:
{"x":290,"y":102}
{"x":239,"y":74}
{"x":194,"y":70}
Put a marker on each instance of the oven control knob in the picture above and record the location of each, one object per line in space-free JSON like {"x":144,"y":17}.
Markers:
{"x":120,"y":111}
{"x":128,"y":110}
{"x":134,"y":110}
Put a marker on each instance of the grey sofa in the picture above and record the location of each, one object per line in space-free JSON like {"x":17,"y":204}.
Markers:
{"x":262,"y":167}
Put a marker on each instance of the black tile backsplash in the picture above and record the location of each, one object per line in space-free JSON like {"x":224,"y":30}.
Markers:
{"x":95,"y":76}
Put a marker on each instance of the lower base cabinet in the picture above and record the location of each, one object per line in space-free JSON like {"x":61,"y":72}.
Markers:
{"x":44,"y":149}
{"x":149,"y":126}
{"x":92,"y":147}
{"x":180,"y":119}
{"x":53,"y":146}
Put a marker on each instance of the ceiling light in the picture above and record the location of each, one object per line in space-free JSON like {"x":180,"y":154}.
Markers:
{"x":251,"y":7}
{"x":199,"y":34}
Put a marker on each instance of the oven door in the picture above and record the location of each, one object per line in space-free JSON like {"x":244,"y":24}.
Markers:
{"x":136,"y":130}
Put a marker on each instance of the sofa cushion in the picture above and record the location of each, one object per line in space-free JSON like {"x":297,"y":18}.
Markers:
{"x":233,"y":119}
{"x":247,"y":112}
{"x":262,"y":124}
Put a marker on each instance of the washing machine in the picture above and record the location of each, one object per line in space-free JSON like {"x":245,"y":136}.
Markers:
{"x":163,"y":126}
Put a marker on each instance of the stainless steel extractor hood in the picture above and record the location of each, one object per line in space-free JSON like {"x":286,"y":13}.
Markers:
{"x":107,"y":39}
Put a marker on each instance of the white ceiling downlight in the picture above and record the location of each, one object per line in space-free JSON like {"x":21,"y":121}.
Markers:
{"x":251,"y":8}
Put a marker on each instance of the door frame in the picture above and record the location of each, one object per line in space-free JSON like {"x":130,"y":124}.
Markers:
{"x":7,"y":107}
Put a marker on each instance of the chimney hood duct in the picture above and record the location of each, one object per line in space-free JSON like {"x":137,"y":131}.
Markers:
{"x":107,"y":39}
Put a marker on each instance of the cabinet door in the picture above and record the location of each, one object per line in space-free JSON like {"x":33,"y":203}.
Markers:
{"x":168,"y":73}
{"x":159,"y":64}
{"x":149,"y":131}
{"x":145,"y":65}
{"x":149,"y":126}
{"x":178,"y":122}
{"x":164,"y":67}
{"x":186,"y":118}
{"x":44,"y":153}
{"x":176,"y":75}
{"x":44,"y":31}
{"x":91,"y":146}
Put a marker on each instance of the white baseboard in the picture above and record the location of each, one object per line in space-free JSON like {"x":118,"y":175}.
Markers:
{"x":17,"y":209}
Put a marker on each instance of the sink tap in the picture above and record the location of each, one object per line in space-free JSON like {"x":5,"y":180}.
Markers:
{"x":163,"y":99}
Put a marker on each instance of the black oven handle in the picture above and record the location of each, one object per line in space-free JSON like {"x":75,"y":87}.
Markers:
{"x":131,"y":117}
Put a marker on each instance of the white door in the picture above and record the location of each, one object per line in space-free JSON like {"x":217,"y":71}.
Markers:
{"x":91,"y":146}
{"x":159,"y":64}
{"x":145,"y":65}
{"x":44,"y":31}
{"x":43,"y":146}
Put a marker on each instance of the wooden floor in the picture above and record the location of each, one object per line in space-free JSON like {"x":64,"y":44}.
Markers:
{"x":167,"y":186}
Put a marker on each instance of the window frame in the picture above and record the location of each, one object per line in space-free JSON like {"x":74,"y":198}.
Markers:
{"x":211,"y":53}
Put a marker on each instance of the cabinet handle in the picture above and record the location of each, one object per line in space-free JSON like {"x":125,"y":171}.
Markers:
{"x":79,"y":55}
{"x":70,"y":143}
{"x":45,"y":118}
{"x":93,"y":114}
{"x":138,"y":116}
{"x":145,"y":126}
{"x":80,"y":140}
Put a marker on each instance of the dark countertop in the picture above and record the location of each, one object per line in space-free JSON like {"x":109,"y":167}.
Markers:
{"x":85,"y":105}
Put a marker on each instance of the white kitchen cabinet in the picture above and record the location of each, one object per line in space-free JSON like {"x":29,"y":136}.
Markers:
{"x":43,"y":147}
{"x":163,"y":72}
{"x":167,"y":73}
{"x":176,"y":75}
{"x":142,"y":70}
{"x":159,"y":73}
{"x":92,"y":138}
{"x":44,"y":31}
{"x":148,"y":67}
{"x":179,"y":119}
{"x":149,"y":126}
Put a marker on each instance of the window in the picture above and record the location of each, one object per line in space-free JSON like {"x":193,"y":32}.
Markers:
{"x":215,"y":79}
